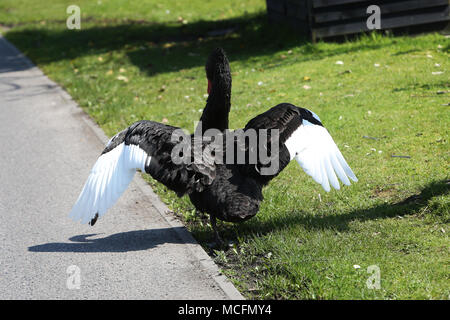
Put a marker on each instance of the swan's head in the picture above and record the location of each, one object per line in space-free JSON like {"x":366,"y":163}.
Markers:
{"x":217,"y":68}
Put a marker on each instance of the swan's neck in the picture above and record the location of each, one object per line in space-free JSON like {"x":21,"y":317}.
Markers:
{"x":215,"y":114}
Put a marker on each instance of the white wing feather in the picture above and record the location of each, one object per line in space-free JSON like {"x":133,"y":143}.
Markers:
{"x":109,"y":178}
{"x":314,"y":149}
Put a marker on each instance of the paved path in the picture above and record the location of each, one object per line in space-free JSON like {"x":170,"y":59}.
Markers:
{"x":136,"y":251}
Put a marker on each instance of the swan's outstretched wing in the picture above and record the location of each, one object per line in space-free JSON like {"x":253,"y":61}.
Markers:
{"x":108,"y":179}
{"x":314,"y":149}
{"x":302,"y":137}
{"x":146,"y":146}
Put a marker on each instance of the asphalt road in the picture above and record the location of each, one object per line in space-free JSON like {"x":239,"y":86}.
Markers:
{"x":47,"y":148}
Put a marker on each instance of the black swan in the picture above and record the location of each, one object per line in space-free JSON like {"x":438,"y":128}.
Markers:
{"x":225,"y":190}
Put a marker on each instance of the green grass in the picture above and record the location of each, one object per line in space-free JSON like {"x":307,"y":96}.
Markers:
{"x":300,"y":245}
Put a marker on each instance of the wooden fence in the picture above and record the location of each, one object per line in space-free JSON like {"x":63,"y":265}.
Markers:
{"x":327,"y":18}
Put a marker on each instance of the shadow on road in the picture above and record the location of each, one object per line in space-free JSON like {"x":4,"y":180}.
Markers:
{"x":119,"y":242}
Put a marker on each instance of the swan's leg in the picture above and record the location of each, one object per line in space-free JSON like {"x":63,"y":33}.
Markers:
{"x":219,"y":240}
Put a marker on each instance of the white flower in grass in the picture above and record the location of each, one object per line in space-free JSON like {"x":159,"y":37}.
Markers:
{"x":122,"y":78}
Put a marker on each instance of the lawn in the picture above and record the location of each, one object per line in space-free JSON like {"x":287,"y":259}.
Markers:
{"x":389,"y":97}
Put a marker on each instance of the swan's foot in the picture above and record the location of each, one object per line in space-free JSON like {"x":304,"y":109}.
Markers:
{"x":94,"y":220}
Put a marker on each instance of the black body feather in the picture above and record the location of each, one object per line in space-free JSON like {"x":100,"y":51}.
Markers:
{"x":230,"y":192}
{"x":155,"y":139}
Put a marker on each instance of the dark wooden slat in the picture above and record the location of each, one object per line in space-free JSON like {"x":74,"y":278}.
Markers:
{"x":297,"y":10}
{"x":328,"y":3}
{"x":385,"y":8}
{"x":309,"y":7}
{"x":291,"y":9}
{"x":386,"y":23}
{"x":276,"y":5}
{"x":276,"y":16}
{"x":301,"y":26}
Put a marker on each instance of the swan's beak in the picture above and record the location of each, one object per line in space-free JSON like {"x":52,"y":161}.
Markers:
{"x":209,"y":86}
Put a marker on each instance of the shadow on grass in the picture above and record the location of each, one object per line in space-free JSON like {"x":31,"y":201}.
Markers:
{"x":341,"y":222}
{"x":427,"y":86}
{"x":410,"y":205}
{"x":169,"y":47}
